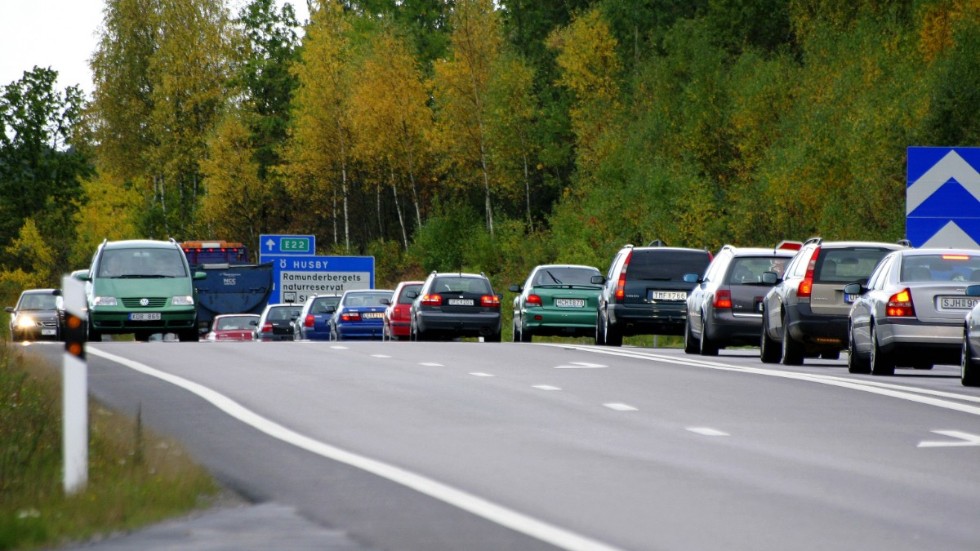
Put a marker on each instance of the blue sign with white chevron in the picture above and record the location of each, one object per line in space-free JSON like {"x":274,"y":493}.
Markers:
{"x":942,"y":197}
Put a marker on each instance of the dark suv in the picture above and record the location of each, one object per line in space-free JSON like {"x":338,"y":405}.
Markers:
{"x":645,"y":291}
{"x":725,"y":308}
{"x":805,"y":314}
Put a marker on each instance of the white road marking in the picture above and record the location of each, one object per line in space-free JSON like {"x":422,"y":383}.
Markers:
{"x":545,"y":387}
{"x":480,"y":374}
{"x":962,"y":439}
{"x":509,"y":518}
{"x":910,"y":394}
{"x":707,"y":431}
{"x":620,"y":407}
{"x":380,"y":356}
{"x":338,"y":347}
{"x":431,"y":364}
{"x":581,"y":365}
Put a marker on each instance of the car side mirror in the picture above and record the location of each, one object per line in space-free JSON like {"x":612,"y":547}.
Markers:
{"x":973,"y":291}
{"x":692,"y":278}
{"x":254,"y":323}
{"x":200,"y":275}
{"x":770,"y":278}
{"x":84,"y":275}
{"x":385,"y":301}
{"x":515,"y":289}
{"x":9,"y":309}
{"x":598,"y":280}
{"x":412,"y":294}
{"x":857,"y":289}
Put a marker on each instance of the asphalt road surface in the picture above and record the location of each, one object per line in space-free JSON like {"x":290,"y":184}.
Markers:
{"x":481,"y":446}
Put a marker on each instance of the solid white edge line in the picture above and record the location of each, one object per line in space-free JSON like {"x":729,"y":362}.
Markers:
{"x":559,"y":537}
{"x":707,"y":431}
{"x":620,"y":407}
{"x":906,"y":393}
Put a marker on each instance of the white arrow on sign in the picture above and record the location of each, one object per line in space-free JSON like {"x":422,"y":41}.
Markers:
{"x":952,"y":236}
{"x":950,"y":167}
{"x":962,"y":439}
{"x":270,"y":243}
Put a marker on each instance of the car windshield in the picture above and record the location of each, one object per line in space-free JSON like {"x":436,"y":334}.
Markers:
{"x":366,"y":299}
{"x":748,"y":270}
{"x":403,"y":298}
{"x":234,"y":323}
{"x":150,"y":262}
{"x":38,"y":302}
{"x":847,"y":265}
{"x":557,"y":275}
{"x":451,"y":284}
{"x":941,"y":267}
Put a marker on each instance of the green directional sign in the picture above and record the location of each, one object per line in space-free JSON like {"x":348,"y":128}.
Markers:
{"x":294,"y":244}
{"x":285,"y":245}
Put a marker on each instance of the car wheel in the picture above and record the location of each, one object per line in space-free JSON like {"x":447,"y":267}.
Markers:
{"x":517,"y":333}
{"x":769,"y":350}
{"x":792,"y":350}
{"x":882,"y":363}
{"x":599,"y":327}
{"x":855,"y":363}
{"x":611,"y":334}
{"x":93,"y":335}
{"x":969,"y":369}
{"x":707,"y":346}
{"x":690,"y":345}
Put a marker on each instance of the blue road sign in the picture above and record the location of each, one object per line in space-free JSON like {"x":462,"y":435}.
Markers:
{"x":281,"y":245}
{"x":294,"y":278}
{"x":942,"y":197}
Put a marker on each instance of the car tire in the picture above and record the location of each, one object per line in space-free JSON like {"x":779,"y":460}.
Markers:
{"x":599,"y":340}
{"x":611,"y":334}
{"x":855,"y":363}
{"x":93,"y":335}
{"x":706,"y":347}
{"x":969,"y":369}
{"x":690,"y":345}
{"x":882,"y":363}
{"x":770,"y":351}
{"x":792,"y":351}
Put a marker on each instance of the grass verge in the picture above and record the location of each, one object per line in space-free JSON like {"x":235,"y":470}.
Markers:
{"x":134,"y":477}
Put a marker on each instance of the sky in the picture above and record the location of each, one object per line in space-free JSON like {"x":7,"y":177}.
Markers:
{"x":62,"y":35}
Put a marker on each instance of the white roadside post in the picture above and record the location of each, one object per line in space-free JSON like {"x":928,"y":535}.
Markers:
{"x":75,"y":391}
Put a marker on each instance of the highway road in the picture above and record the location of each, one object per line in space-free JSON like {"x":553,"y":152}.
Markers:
{"x":481,"y":446}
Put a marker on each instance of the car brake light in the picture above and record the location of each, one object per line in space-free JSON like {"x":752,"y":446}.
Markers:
{"x":806,"y":286}
{"x":533,"y":300}
{"x":432,"y":300}
{"x":900,"y":305}
{"x":621,"y":284}
{"x":490,"y":301}
{"x":351,"y":316}
{"x":267,"y":327}
{"x":399,"y":312}
{"x":308,"y":322}
{"x":723,"y":299}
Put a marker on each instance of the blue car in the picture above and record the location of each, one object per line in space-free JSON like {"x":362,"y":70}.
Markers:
{"x":313,"y":323}
{"x":360,"y":315}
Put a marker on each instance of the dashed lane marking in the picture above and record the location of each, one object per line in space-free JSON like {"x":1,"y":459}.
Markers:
{"x":620,"y":407}
{"x":707,"y":431}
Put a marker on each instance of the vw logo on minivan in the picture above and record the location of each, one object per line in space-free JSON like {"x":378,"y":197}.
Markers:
{"x":144,"y":302}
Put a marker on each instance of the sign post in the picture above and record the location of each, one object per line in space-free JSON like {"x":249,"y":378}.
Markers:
{"x":75,"y":388}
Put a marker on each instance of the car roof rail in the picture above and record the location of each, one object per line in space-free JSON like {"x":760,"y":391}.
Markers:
{"x":657,"y":243}
{"x":904,"y":242}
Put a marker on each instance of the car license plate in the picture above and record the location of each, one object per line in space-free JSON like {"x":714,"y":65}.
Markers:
{"x":144,"y":316}
{"x":48,"y":332}
{"x":372,"y":315}
{"x":849,"y":298}
{"x":570,"y":303}
{"x":957,"y":303}
{"x":461,"y":302}
{"x":668,"y":295}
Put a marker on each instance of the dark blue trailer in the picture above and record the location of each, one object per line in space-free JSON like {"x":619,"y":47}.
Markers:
{"x":232,"y":285}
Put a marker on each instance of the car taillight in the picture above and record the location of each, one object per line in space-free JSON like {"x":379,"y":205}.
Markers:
{"x":266,"y":327}
{"x":308,"y":322}
{"x":806,"y":286}
{"x":533,"y":300}
{"x":399,"y":312}
{"x":900,"y":305}
{"x":621,"y":284}
{"x":351,"y":316}
{"x":723,"y":299}
{"x":432,"y":300}
{"x":491,"y":301}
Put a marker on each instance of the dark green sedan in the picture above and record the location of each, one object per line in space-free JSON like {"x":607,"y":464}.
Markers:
{"x":556,"y":300}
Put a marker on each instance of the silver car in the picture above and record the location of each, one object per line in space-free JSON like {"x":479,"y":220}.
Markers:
{"x":970,"y":360}
{"x":911,"y":312}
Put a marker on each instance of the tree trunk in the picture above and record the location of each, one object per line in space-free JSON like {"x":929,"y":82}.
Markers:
{"x":398,"y":209}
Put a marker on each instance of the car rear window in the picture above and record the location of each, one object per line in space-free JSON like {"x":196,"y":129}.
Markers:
{"x":403,"y":297}
{"x":666,"y":265}
{"x":449,"y":284}
{"x":283,"y":313}
{"x":564,"y":276}
{"x":847,"y":265}
{"x":322,"y":305}
{"x":941,"y":267}
{"x":748,"y":270}
{"x":366,"y":299}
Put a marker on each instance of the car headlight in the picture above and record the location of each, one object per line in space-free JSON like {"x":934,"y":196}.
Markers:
{"x":104,"y":301}
{"x":24,"y":322}
{"x":183,"y":301}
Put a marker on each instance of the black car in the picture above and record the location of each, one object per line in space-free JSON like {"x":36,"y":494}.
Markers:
{"x":645,"y":291}
{"x":276,"y":323}
{"x":39,"y":315}
{"x":451,"y":305}
{"x":725,"y":308}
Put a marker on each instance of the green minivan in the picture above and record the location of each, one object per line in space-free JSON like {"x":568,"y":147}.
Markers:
{"x":140,"y":287}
